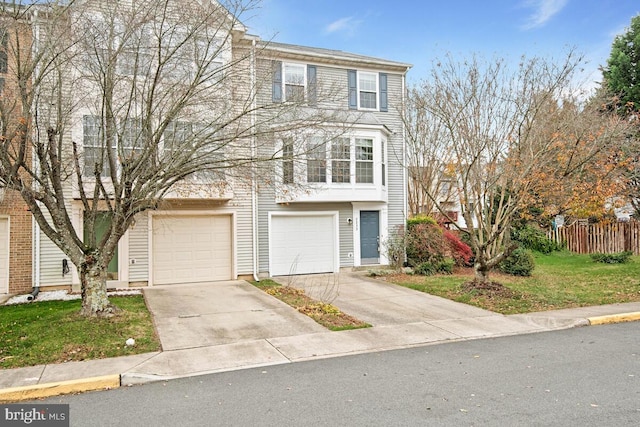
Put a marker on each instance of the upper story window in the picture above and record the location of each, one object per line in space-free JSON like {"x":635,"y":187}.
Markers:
{"x":177,"y":141}
{"x":95,"y":155}
{"x":287,"y":162}
{"x":316,"y":160}
{"x":367,"y":90}
{"x":294,"y":82}
{"x":341,"y":160}
{"x":364,"y":160}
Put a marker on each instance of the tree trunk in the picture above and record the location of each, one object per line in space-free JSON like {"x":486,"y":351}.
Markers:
{"x":481,"y":271}
{"x":95,"y":302}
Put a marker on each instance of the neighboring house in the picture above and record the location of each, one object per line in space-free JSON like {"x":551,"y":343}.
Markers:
{"x":330,"y":203}
{"x":15,"y":219}
{"x":447,"y":196}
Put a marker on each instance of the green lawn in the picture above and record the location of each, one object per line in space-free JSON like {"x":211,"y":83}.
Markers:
{"x":54,"y":332}
{"x":560,"y":280}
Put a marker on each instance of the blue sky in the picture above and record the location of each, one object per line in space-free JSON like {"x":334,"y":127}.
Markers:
{"x":419,"y":31}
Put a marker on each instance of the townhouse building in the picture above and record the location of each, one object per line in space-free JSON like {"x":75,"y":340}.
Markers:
{"x":328,"y":198}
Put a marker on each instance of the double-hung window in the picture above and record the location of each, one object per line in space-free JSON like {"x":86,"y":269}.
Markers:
{"x":93,"y":145}
{"x":175,"y":135}
{"x":180,"y":139}
{"x":287,"y":162}
{"x":294,"y":82}
{"x":316,"y":160}
{"x":341,"y":160}
{"x":364,"y":161}
{"x":368,"y":90}
{"x":131,"y":138}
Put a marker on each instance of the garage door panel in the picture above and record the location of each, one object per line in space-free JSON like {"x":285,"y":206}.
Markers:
{"x":189,"y":249}
{"x":303,"y":244}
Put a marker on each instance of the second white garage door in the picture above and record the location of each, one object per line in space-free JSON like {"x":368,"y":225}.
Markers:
{"x":303,"y":244}
{"x":191,"y":249}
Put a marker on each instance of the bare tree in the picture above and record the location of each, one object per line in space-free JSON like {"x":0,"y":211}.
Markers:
{"x":502,"y":127}
{"x":427,"y":157}
{"x":165,"y":93}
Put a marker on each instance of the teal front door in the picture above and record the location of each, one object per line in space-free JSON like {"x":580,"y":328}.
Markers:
{"x":369,"y":237}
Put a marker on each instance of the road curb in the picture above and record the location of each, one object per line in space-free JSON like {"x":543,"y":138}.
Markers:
{"x":40,"y":391}
{"x":614,"y":318}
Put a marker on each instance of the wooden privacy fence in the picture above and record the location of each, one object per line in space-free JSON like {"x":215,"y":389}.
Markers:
{"x":599,"y":238}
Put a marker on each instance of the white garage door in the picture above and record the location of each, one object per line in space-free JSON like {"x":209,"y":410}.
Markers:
{"x":303,"y":244}
{"x":190,"y":249}
{"x":4,"y":255}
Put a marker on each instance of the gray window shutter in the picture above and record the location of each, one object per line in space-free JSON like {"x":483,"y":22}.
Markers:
{"x":353,"y":89}
{"x":312,"y":96}
{"x":277,"y":81}
{"x":384,"y":103}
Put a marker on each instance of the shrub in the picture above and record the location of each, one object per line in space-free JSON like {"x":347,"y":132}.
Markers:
{"x":617,"y":258}
{"x":534,"y":239}
{"x":425,"y":243}
{"x":519,"y":263}
{"x":395,"y":247}
{"x":420,"y":219}
{"x":427,"y":269}
{"x":460,"y":251}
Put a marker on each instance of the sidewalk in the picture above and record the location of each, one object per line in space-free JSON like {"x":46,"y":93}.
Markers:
{"x":261,"y":331}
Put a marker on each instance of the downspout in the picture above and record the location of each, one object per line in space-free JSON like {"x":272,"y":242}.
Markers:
{"x":404,"y":160}
{"x":35,"y":257}
{"x":254,"y":190}
{"x":404,"y":152}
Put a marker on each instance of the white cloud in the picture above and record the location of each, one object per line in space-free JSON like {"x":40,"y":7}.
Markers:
{"x":543,"y":11}
{"x":346,"y":25}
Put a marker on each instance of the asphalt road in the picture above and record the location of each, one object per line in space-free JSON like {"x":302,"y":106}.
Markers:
{"x":578,"y":377}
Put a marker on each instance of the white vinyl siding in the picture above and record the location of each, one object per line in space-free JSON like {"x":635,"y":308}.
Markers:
{"x":139,"y":250}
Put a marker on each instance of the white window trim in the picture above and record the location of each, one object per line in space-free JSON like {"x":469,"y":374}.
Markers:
{"x":358,"y":89}
{"x":284,"y":78}
{"x":300,"y":167}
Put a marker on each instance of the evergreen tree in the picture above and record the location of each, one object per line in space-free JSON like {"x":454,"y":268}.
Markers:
{"x":622,"y":73}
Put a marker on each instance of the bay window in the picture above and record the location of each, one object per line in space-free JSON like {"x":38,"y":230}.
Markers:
{"x":341,"y":160}
{"x":316,"y":160}
{"x":364,"y":160}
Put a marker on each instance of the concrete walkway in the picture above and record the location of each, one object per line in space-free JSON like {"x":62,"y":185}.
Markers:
{"x":223,"y":326}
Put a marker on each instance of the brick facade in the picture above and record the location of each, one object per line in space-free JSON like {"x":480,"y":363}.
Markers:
{"x":20,"y":242}
{"x":20,"y":219}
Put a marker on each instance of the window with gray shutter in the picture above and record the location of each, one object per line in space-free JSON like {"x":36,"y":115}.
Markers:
{"x":353,"y":89}
{"x":384,"y":106}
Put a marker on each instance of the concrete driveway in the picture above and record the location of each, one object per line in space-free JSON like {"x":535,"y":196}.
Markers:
{"x":208,"y":314}
{"x":380,"y":303}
